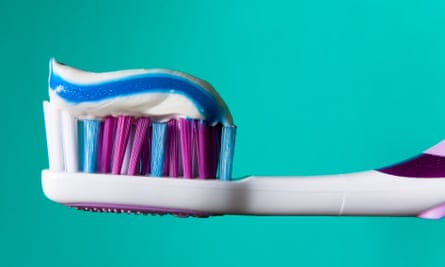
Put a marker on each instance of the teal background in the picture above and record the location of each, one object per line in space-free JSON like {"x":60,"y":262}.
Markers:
{"x":315,"y":87}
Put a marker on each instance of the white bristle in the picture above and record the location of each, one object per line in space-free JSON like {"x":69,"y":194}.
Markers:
{"x":126,"y":160}
{"x":70,"y":146}
{"x":53,"y":137}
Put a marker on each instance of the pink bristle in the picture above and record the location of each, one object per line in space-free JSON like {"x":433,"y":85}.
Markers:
{"x":214,"y":149}
{"x":173,"y":148}
{"x":126,"y":159}
{"x":166,"y":163}
{"x":202,"y":145}
{"x":138,"y":143}
{"x":194,"y":148}
{"x":146,"y":152}
{"x":185,"y":130}
{"x":107,"y":144}
{"x":122,"y":134}
{"x":99,"y":154}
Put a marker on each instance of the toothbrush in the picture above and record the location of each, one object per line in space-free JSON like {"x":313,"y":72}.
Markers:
{"x":156,"y":141}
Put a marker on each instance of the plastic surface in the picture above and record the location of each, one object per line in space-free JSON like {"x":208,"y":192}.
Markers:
{"x":364,"y":193}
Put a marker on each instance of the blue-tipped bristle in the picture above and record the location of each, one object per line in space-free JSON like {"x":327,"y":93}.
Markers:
{"x":158,"y":142}
{"x":90,"y":136}
{"x":227,"y":150}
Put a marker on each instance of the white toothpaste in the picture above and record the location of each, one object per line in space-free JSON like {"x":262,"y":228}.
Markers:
{"x":158,"y":93}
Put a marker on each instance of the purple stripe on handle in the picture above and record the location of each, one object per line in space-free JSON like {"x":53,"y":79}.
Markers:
{"x":423,"y":166}
{"x":122,"y":134}
{"x":107,"y":144}
{"x":185,"y":130}
{"x":138,"y":142}
{"x":438,"y":149}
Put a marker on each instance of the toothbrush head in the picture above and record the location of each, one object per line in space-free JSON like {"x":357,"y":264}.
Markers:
{"x":152,"y":122}
{"x":133,"y":123}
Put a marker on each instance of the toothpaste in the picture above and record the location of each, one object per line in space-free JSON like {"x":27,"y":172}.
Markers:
{"x":159,"y":93}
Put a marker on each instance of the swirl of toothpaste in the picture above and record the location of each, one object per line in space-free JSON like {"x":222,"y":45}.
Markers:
{"x":158,"y":93}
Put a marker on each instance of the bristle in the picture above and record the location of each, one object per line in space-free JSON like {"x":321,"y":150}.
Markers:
{"x":99,"y":147}
{"x":214,"y":149}
{"x":121,"y":141}
{"x":146,"y":153}
{"x":185,"y":131}
{"x":173,"y":148}
{"x":53,"y":137}
{"x":138,"y":142}
{"x":203,"y":131}
{"x":70,"y":147}
{"x":158,"y":148}
{"x":227,"y":150}
{"x":127,"y":154}
{"x":166,"y":161}
{"x":90,"y":133}
{"x":81,"y":143}
{"x":107,"y":144}
{"x":194,"y":148}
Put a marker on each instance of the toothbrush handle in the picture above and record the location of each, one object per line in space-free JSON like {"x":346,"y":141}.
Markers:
{"x":362,"y":193}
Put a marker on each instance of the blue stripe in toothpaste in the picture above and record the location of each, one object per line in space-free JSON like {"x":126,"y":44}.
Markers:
{"x":158,"y":93}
